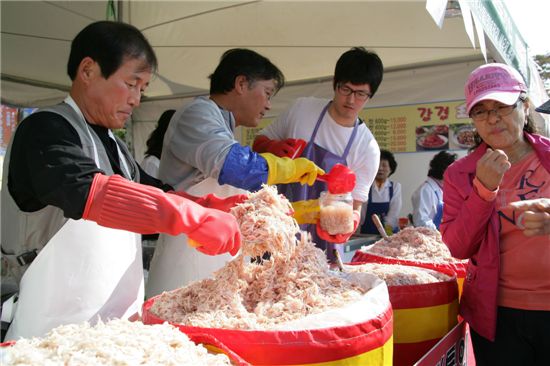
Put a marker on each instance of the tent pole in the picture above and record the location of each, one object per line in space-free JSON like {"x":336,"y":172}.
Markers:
{"x":119,"y":11}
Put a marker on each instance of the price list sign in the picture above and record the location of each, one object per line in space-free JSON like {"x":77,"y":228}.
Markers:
{"x":8,"y":122}
{"x":420,"y":127}
{"x":246,"y":135}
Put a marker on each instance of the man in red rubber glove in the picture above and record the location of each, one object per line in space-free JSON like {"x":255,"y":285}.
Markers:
{"x":121,"y":204}
{"x":335,"y":135}
{"x":73,"y":196}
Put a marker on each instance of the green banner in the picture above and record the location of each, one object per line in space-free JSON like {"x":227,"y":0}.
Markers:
{"x":503,"y":33}
{"x":110,"y":13}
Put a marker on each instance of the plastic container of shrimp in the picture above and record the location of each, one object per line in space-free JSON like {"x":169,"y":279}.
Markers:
{"x":336,"y":215}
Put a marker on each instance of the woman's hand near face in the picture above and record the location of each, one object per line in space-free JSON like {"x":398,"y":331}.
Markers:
{"x":491,"y":168}
{"x":536,"y":216}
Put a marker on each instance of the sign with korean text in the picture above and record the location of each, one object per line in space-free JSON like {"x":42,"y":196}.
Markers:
{"x":420,"y":127}
{"x":8,"y":120}
{"x":455,"y":349}
{"x":247,"y":135}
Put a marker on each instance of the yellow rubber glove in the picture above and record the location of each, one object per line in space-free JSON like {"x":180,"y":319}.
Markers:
{"x":306,"y":212}
{"x":286,"y":170}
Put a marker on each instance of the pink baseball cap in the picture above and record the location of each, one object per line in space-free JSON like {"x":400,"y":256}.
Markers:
{"x":495,"y":81}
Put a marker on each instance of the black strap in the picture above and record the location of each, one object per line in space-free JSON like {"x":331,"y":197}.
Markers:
{"x":26,"y":258}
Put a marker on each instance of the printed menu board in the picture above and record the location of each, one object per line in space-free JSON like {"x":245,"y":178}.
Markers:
{"x":421,"y":127}
{"x":8,"y":120}
{"x":247,"y":135}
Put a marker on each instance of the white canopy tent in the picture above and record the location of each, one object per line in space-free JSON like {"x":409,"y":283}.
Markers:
{"x":304,"y":38}
{"x":423,"y":62}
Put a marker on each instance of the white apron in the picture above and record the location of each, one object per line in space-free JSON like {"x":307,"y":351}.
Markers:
{"x":176,"y":264}
{"x":85,"y":271}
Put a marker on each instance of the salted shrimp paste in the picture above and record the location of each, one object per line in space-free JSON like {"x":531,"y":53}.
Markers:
{"x":425,"y":306}
{"x":290,"y":309}
{"x":420,"y":247}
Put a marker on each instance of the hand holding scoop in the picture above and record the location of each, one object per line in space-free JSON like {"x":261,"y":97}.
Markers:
{"x":340,"y":179}
{"x":339,"y":262}
{"x":379,"y":226}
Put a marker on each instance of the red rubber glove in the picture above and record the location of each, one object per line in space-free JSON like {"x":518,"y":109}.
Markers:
{"x":290,"y":148}
{"x":338,"y":238}
{"x":118,"y":203}
{"x":213,"y":201}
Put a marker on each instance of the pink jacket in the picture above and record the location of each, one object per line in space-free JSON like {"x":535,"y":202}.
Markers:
{"x":470,"y":228}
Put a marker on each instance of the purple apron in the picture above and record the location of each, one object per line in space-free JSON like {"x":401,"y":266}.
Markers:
{"x":325,"y":160}
{"x":379,"y":208}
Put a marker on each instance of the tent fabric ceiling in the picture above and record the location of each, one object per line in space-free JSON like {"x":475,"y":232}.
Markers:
{"x":303,"y":38}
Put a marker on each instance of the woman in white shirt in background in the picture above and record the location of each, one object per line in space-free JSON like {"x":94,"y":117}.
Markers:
{"x":384,"y":197}
{"x":151,"y":161}
{"x":150,"y":164}
{"x":427,"y":200}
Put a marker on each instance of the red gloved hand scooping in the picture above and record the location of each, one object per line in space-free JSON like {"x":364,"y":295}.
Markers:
{"x":118,"y":203}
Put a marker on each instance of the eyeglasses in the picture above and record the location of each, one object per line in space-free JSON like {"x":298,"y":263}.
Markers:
{"x":481,"y":115}
{"x":347,"y":91}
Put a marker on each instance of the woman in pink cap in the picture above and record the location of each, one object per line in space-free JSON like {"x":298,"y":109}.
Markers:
{"x":497,"y":214}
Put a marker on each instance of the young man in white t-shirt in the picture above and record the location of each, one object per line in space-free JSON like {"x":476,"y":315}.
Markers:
{"x":333,"y":133}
